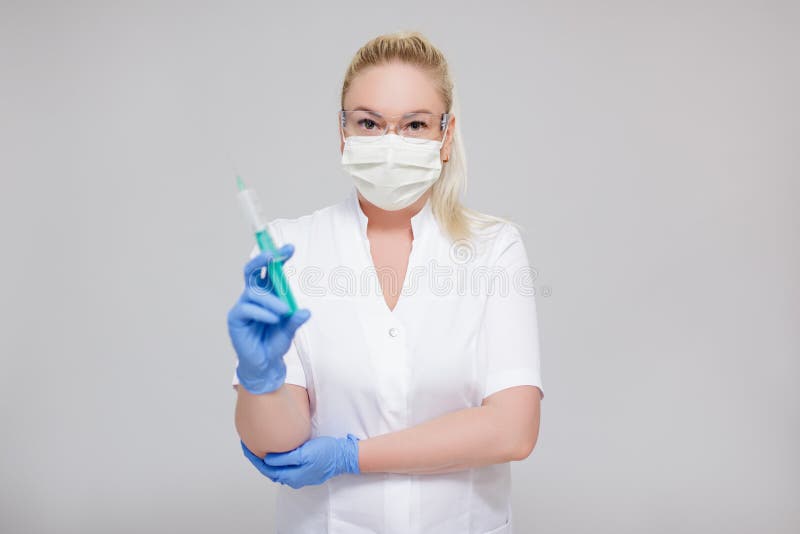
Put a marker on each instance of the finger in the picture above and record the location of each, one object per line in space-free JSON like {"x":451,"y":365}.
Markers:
{"x":256,"y":263}
{"x":284,"y":474}
{"x":296,"y":320}
{"x":267,"y":300}
{"x":284,"y":253}
{"x":275,"y":459}
{"x":247,"y":311}
{"x":263,"y":469}
{"x":247,"y":451}
{"x":257,"y":461}
{"x":249,"y":454}
{"x":263,"y":258}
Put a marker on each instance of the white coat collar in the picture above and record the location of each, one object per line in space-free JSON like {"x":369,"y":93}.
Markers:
{"x":419,"y":221}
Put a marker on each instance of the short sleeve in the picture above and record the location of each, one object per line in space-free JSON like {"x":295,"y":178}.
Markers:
{"x":294,"y":367}
{"x":510,"y":330}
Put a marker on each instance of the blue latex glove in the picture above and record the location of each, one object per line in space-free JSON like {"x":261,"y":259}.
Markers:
{"x":312,"y":463}
{"x":259,"y":330}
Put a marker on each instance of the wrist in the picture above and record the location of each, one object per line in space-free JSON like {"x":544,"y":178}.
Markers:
{"x":260,"y":382}
{"x":350,"y":446}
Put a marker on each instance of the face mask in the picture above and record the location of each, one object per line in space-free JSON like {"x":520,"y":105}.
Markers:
{"x":390,"y":172}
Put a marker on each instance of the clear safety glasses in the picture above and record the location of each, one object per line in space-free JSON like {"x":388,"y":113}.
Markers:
{"x":411,"y":127}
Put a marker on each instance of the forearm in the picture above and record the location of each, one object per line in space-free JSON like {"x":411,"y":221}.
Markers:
{"x":271,"y":422}
{"x":471,"y":437}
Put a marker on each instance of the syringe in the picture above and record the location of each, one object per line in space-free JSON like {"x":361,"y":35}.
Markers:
{"x":252,"y":210}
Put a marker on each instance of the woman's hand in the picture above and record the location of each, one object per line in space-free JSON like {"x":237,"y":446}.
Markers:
{"x":260,"y":331}
{"x":312,"y":463}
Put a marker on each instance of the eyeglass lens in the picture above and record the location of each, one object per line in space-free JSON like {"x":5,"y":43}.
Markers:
{"x":413,"y":126}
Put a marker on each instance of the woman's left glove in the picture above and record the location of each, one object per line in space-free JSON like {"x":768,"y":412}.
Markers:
{"x":313,"y":462}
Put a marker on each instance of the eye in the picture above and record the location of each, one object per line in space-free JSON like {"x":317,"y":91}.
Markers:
{"x":417,"y":125}
{"x":368,"y":124}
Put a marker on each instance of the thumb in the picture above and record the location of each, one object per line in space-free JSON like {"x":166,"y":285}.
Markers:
{"x":283,"y":458}
{"x":296,"y":320}
{"x":284,"y":253}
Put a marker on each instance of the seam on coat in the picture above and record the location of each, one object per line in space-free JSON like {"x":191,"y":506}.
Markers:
{"x":469,"y":499}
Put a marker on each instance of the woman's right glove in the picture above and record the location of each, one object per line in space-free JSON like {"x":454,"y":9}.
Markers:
{"x":260,"y":330}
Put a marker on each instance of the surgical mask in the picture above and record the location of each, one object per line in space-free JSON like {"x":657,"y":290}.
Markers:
{"x":390,"y":172}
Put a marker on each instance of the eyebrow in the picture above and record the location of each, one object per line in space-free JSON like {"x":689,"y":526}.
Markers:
{"x":361,"y":108}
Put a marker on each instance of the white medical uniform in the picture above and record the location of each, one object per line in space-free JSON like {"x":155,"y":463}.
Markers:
{"x":452,"y":339}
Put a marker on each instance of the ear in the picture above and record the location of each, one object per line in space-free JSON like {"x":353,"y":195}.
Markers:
{"x":341,"y":134}
{"x":448,"y":139}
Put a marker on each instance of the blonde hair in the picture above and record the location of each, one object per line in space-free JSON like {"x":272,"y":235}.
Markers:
{"x":413,"y":48}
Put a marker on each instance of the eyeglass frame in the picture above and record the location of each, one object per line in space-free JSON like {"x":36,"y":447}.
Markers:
{"x":443,"y":124}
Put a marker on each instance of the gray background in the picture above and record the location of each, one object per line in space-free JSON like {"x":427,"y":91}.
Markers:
{"x":650,"y":150}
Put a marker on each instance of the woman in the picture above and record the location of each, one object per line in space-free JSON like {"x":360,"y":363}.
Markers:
{"x":399,"y":405}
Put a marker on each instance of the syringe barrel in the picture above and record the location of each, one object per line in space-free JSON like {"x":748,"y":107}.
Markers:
{"x":252,"y":210}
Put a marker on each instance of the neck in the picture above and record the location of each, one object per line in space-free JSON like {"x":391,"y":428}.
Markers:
{"x":396,"y":220}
